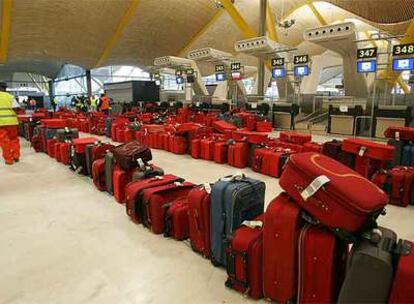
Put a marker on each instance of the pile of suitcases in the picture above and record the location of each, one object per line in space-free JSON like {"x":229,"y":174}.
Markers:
{"x":317,"y":242}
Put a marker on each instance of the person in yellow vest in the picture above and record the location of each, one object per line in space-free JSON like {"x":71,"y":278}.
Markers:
{"x":94,"y":102}
{"x":9,"y":130}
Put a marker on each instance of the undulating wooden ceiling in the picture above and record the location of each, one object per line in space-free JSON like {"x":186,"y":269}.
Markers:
{"x":46,"y":34}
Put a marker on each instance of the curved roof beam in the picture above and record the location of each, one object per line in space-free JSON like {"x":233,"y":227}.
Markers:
{"x":118,"y":32}
{"x":5,"y":30}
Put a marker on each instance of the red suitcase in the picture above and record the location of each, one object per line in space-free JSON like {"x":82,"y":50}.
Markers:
{"x":199,"y":201}
{"x":264,"y":126}
{"x":98,"y":174}
{"x":120,"y":179}
{"x":270,"y":161}
{"x":128,"y":135}
{"x":223,"y":126}
{"x":53,"y":123}
{"x":250,"y":136}
{"x":120,"y":135}
{"x":245,"y":259}
{"x":57,"y":152}
{"x":281,"y":229}
{"x":176,"y":219}
{"x":220,"y":152}
{"x":321,"y":186}
{"x":400,"y":133}
{"x":312,"y":147}
{"x":133,"y":193}
{"x":295,"y":138}
{"x":178,"y":144}
{"x":195,"y":148}
{"x":207,"y":149}
{"x":250,"y":122}
{"x":402,"y":289}
{"x":285,"y":145}
{"x":65,"y":153}
{"x":366,"y":166}
{"x":322,"y":264}
{"x":155,"y":201}
{"x":51,"y":143}
{"x":368,"y":149}
{"x":238,"y":154}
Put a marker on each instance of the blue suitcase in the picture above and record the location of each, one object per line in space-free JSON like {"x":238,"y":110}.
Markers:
{"x":407,"y":158}
{"x":234,"y":199}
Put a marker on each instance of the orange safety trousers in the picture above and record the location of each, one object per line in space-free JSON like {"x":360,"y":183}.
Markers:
{"x":9,"y":143}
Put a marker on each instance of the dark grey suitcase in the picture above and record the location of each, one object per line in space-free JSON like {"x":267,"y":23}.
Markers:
{"x":89,"y":160}
{"x":399,"y":145}
{"x":108,"y":127}
{"x":370,"y":270}
{"x":109,"y":168}
{"x":234,"y":199}
{"x":64,"y":134}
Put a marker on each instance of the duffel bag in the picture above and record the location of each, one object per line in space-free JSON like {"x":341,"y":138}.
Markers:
{"x":333,"y":194}
{"x":127,"y":155}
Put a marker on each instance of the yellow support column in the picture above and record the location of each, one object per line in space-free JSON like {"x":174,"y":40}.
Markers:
{"x":119,"y":31}
{"x":243,"y":26}
{"x":270,"y":22}
{"x":200,"y":33}
{"x":318,"y":15}
{"x":5,"y":30}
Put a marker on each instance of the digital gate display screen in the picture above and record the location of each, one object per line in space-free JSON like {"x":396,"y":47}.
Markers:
{"x":278,"y":73}
{"x":236,"y":76}
{"x":220,"y":77}
{"x":179,"y":80}
{"x":367,"y":66}
{"x":405,"y":64}
{"x":301,"y":71}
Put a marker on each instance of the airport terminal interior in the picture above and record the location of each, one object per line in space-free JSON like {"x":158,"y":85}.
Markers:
{"x":206,"y":151}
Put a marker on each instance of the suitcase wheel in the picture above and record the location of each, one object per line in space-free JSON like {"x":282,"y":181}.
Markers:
{"x":228,"y":284}
{"x":215,"y":262}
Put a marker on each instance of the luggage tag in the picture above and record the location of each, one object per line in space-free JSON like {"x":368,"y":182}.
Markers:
{"x":207,"y":187}
{"x":397,"y":136}
{"x":253,"y":224}
{"x":362,"y":151}
{"x":314,"y":186}
{"x":141,"y":164}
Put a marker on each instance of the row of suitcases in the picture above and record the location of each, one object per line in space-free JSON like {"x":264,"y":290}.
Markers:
{"x":275,"y":254}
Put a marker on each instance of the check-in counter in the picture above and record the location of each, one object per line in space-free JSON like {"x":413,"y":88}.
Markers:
{"x":390,"y":116}
{"x":342,"y":119}
{"x":284,"y":115}
{"x":342,"y":124}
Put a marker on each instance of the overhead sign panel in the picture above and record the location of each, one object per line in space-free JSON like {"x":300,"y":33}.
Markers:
{"x":301,"y":59}
{"x":403,"y":49}
{"x":235,"y":66}
{"x":367,"y":53}
{"x":277,"y":62}
{"x":219,"y":68}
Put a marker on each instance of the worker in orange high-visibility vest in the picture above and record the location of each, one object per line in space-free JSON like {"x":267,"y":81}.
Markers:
{"x":9,"y":130}
{"x":104,"y":104}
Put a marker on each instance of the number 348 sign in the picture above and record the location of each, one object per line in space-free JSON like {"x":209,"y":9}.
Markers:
{"x":403,"y":49}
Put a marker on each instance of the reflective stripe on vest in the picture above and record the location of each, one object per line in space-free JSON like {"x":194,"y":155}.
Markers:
{"x":7,"y":115}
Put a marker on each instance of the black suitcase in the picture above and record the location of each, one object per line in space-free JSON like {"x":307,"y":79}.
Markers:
{"x":109,"y":169}
{"x":66,"y":134}
{"x":89,"y":160}
{"x":370,"y":270}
